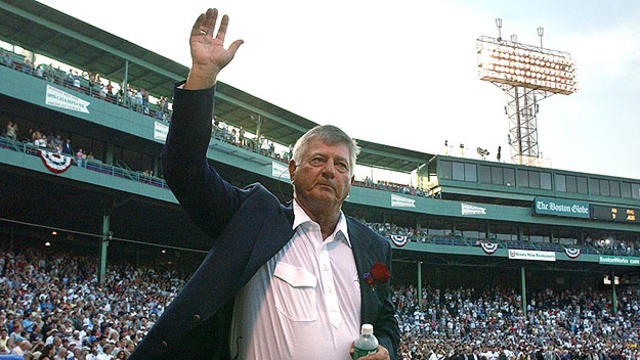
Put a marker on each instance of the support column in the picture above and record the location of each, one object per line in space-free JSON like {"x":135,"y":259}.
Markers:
{"x":109,"y":154}
{"x":104,"y":243}
{"x":125,"y":83}
{"x":524,"y":290}
{"x":156,"y":166}
{"x":258,"y":133}
{"x":614,"y":296}
{"x":419,"y":282}
{"x":11,"y":238}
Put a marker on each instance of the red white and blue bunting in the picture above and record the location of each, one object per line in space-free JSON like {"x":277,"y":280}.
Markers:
{"x":399,"y":240}
{"x":572,"y":253}
{"x":56,"y":163}
{"x":489,"y":248}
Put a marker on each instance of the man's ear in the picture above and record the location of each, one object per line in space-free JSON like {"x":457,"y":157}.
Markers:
{"x":353,"y":178}
{"x":292,"y":169}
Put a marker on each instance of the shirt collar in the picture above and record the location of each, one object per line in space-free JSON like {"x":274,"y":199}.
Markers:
{"x":300,"y":217}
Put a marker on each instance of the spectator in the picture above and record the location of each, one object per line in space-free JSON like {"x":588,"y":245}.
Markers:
{"x":66,"y":147}
{"x":12,"y":130}
{"x":80,"y":157}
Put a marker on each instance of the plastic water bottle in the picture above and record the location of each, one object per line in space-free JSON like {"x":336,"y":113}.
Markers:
{"x":366,"y":343}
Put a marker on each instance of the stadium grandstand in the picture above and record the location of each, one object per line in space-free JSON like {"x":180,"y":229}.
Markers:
{"x":491,"y":259}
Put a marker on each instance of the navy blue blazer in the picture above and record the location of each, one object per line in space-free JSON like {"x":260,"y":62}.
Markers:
{"x":247,"y":227}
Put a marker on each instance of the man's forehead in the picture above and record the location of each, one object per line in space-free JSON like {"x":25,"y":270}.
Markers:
{"x":318,"y":146}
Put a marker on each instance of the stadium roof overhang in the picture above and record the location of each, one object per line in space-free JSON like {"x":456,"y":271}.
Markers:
{"x":47,"y":31}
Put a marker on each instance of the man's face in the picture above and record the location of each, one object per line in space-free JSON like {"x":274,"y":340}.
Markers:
{"x":323,"y":178}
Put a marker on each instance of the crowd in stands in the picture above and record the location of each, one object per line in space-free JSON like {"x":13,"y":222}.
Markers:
{"x":92,"y":84}
{"x":54,"y":308}
{"x":609,"y":246}
{"x":489,"y":324}
{"x":139,"y":99}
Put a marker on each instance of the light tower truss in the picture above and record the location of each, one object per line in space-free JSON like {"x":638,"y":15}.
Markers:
{"x":527,"y":74}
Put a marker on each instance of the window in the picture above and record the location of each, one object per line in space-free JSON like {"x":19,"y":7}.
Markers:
{"x":523,"y":178}
{"x":572,"y":187}
{"x":635,"y":191}
{"x":604,"y":187}
{"x":594,"y":186}
{"x":470,"y":172}
{"x":484,"y":175}
{"x":458,"y":171}
{"x":534,"y":179}
{"x":509,"y":177}
{"x":614,"y":188}
{"x":545,"y":181}
{"x":496,"y":175}
{"x":561,"y":184}
{"x":626,"y":190}
{"x":445,"y":169}
{"x":582,"y":184}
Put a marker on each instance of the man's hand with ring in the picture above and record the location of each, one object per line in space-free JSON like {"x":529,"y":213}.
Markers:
{"x":208,"y":55}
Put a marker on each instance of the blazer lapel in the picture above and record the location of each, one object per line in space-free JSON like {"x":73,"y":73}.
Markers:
{"x":275,"y":233}
{"x":362,"y":257}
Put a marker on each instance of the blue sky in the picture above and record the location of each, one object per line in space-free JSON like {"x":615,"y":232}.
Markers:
{"x":404,"y":73}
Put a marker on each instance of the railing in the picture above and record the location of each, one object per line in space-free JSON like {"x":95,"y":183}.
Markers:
{"x":98,"y":166}
{"x":91,"y":165}
{"x":60,"y":78}
{"x":506,"y":244}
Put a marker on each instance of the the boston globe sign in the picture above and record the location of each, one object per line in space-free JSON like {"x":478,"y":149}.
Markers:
{"x":561,"y":207}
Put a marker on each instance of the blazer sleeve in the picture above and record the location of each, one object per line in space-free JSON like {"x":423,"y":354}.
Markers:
{"x":208,"y":199}
{"x":387,"y":330}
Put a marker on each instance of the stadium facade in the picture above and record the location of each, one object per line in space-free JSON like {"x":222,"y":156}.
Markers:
{"x":471,"y":222}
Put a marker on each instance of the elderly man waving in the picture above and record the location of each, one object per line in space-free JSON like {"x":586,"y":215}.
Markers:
{"x":281,"y":281}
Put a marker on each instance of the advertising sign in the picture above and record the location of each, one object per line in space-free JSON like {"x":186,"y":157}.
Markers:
{"x":560,"y":207}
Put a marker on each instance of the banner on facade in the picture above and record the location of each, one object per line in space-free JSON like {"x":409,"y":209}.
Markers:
{"x":399,"y":240}
{"x":535,"y":255}
{"x":401,"y":201}
{"x":572,"y":253}
{"x":560,"y":207}
{"x":467,"y":209}
{"x":160,"y":131}
{"x":279,"y":170}
{"x":488,"y":247}
{"x":619,"y":260}
{"x":64,"y":100}
{"x":56,"y":163}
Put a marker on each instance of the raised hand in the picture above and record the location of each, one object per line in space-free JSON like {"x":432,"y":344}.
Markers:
{"x":208,"y":55}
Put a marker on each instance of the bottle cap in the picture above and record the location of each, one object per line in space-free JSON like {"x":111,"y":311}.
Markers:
{"x":367,"y":329}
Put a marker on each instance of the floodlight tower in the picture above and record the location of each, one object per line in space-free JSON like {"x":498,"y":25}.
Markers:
{"x":527,"y":74}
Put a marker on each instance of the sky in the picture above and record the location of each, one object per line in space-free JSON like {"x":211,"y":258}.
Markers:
{"x":404,"y":73}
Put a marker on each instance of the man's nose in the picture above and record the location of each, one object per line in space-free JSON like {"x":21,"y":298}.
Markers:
{"x":329,"y":170}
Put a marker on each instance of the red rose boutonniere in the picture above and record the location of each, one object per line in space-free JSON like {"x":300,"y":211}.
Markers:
{"x":379,"y":274}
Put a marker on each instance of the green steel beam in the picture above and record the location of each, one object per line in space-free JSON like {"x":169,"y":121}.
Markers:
{"x":394,"y":156}
{"x":419,"y":282}
{"x":104,"y":243}
{"x":89,"y":41}
{"x":260,"y":112}
{"x":614,"y":296}
{"x":523,"y":279}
